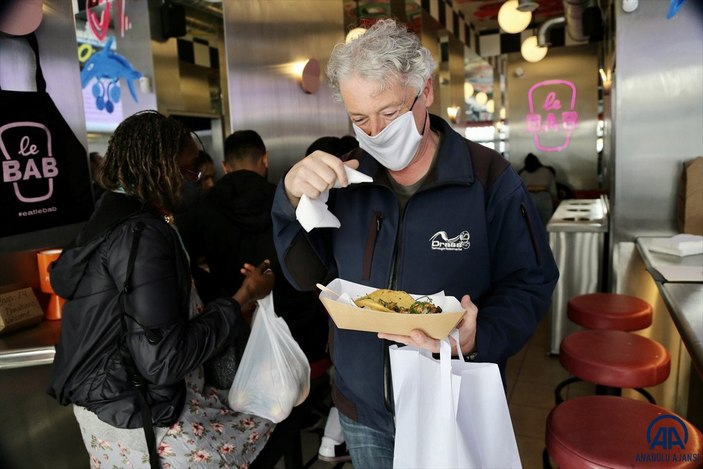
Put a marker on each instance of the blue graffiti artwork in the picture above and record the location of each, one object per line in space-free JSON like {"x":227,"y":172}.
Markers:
{"x":107,"y":67}
{"x":674,"y":8}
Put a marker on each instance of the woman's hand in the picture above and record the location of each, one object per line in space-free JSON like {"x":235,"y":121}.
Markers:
{"x":467,"y":332}
{"x":258,"y":282}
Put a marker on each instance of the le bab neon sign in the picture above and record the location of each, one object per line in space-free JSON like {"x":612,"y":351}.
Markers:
{"x":542,"y":123}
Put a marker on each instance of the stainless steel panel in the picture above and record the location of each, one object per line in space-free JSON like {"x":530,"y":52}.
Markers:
{"x":26,"y":358}
{"x":658,"y":114}
{"x":577,"y":238}
{"x":578,"y":257}
{"x":262,"y":39}
{"x":672,"y":393}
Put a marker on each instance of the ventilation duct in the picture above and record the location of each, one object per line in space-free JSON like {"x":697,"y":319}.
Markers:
{"x":573,"y":12}
{"x":582,"y":18}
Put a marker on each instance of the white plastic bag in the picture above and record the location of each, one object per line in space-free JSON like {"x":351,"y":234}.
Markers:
{"x":274,"y":374}
{"x":449,"y":413}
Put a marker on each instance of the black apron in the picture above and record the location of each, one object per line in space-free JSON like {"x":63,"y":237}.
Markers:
{"x":45,"y":173}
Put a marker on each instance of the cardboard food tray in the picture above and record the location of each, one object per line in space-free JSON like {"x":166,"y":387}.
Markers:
{"x":347,"y":316}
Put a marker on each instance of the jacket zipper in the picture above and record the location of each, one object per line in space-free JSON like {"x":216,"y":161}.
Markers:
{"x":374,"y":229}
{"x":525,"y":216}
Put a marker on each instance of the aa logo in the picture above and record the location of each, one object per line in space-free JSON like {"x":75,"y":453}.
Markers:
{"x":667,"y":432}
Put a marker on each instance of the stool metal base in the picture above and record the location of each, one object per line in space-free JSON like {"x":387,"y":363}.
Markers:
{"x":600,"y":390}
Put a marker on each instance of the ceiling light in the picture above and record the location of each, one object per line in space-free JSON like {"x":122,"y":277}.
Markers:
{"x":481,"y":98}
{"x":468,"y":90}
{"x":490,"y":106}
{"x":512,"y":20}
{"x":531,"y":51}
{"x":453,"y":113}
{"x":353,"y":34}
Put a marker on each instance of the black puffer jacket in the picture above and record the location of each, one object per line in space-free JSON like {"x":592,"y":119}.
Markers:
{"x":88,"y":369}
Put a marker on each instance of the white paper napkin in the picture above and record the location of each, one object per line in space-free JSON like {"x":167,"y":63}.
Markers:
{"x":313,"y":213}
{"x":680,"y":245}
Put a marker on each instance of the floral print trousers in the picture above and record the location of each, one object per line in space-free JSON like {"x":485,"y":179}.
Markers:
{"x":208,"y":434}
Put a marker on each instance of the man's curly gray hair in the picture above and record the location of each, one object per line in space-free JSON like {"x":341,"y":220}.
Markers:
{"x":388,"y":52}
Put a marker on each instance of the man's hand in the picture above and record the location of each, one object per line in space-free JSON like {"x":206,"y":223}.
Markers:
{"x":315,"y":174}
{"x":466,"y":326}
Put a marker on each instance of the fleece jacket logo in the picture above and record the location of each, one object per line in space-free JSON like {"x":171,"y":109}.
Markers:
{"x":441,"y":242}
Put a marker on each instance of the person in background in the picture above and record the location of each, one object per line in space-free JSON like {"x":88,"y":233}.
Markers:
{"x":230,"y":225}
{"x":203,"y":181}
{"x":135,"y":334}
{"x":542,"y":185}
{"x":442,"y":214}
{"x":206,"y":166}
{"x":95,"y":160}
{"x":337,"y":146}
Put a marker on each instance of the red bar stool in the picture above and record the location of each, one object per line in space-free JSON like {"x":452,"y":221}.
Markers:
{"x":615,"y":432}
{"x":605,"y":311}
{"x":613,"y":360}
{"x":612,"y":311}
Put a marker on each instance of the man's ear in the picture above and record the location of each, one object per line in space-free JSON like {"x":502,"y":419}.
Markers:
{"x":265,"y":160}
{"x":428,"y":92}
{"x":225,"y":167}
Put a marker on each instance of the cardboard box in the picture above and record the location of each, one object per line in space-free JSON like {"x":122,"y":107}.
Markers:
{"x":348,"y":316}
{"x":19,"y":309}
{"x":690,"y":200}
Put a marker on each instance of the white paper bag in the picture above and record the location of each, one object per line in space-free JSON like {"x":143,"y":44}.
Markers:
{"x":449,"y":413}
{"x":274,"y":374}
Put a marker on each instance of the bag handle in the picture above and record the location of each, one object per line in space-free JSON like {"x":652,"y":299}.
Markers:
{"x":454,"y":334}
{"x":138,"y":381}
{"x":445,"y":351}
{"x":39,"y":75}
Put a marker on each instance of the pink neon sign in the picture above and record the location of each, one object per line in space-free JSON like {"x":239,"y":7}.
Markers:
{"x":545,"y":128}
{"x":99,"y":20}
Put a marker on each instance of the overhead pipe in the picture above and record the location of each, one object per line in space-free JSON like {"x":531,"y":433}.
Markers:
{"x":544,"y":29}
{"x":573,"y":18}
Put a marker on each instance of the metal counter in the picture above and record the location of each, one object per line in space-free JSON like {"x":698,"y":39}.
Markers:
{"x":29,"y":347}
{"x":682,"y":294}
{"x":577,"y":232}
{"x":37,"y":432}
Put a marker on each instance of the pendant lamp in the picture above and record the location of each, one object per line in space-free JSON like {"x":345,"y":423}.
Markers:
{"x":512,"y":20}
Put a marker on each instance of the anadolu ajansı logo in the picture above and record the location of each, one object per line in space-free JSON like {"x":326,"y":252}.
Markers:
{"x":667,"y":439}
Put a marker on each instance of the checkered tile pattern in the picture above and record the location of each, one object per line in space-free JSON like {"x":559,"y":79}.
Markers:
{"x":453,"y":21}
{"x":198,"y":51}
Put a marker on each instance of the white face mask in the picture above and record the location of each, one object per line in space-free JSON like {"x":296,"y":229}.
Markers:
{"x":396,"y":145}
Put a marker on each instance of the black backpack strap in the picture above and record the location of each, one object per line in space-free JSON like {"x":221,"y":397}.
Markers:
{"x":138,"y":381}
{"x":487,"y":164}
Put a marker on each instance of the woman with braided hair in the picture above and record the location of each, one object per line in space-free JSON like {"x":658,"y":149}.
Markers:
{"x":135,"y":334}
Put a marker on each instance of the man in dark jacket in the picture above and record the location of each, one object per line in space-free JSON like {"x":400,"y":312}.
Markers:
{"x":439,"y":214}
{"x":231,"y":224}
